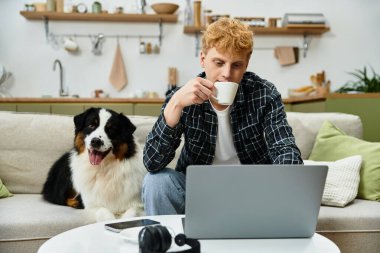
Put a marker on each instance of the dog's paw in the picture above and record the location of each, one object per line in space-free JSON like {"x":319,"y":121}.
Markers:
{"x":133,"y":212}
{"x":103,"y":214}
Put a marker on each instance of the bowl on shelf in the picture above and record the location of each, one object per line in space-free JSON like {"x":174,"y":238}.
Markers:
{"x":164,"y":8}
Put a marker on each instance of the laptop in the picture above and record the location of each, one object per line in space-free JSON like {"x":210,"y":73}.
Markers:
{"x":253,"y":201}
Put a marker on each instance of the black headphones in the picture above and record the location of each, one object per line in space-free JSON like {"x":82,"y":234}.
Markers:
{"x":154,"y":239}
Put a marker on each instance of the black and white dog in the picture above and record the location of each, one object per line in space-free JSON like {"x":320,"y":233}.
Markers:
{"x":104,"y":171}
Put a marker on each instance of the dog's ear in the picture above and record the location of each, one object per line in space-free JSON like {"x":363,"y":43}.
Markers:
{"x":80,"y":119}
{"x":127,"y":124}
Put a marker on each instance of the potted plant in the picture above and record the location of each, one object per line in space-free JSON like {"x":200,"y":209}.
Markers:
{"x":363,"y":84}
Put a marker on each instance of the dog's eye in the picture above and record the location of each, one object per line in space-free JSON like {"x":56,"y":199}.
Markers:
{"x":110,"y":127}
{"x":93,"y":124}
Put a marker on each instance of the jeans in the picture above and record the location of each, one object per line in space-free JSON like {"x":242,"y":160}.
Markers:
{"x":163,"y":192}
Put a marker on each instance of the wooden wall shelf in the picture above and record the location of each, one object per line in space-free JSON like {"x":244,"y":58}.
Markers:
{"x":306,"y":32}
{"x":104,"y":17}
{"x":268,"y":30}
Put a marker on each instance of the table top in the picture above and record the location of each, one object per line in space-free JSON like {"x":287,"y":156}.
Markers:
{"x":95,"y":238}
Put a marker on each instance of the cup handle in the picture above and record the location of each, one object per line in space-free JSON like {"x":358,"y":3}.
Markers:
{"x":213,"y":96}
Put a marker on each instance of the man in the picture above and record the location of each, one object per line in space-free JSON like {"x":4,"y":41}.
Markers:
{"x":253,"y":130}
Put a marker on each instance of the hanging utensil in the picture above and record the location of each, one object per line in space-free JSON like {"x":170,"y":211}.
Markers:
{"x":4,"y":76}
{"x":97,"y":43}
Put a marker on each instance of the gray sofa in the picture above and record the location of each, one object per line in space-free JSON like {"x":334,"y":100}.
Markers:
{"x":30,"y":143}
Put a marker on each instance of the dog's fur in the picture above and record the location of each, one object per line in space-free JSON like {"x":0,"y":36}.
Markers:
{"x":104,"y":171}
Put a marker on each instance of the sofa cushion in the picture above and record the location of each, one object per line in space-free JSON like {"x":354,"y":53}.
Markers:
{"x":332,"y":144}
{"x":355,"y":228}
{"x":306,"y":126}
{"x":30,"y":143}
{"x":342,"y":180}
{"x":29,"y":217}
{"x":360,"y":216}
{"x":4,"y":192}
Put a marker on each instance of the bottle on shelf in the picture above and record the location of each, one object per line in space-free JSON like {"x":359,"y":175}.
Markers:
{"x":59,"y":5}
{"x":207,"y":17}
{"x":68,"y":6}
{"x":197,"y":13}
{"x":50,"y":5}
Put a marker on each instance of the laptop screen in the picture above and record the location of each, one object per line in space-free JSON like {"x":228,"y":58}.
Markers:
{"x":253,"y":201}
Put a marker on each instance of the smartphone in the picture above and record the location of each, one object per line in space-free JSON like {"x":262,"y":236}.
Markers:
{"x":119,"y":226}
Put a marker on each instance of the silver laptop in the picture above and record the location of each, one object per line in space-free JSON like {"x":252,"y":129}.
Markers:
{"x":253,"y":201}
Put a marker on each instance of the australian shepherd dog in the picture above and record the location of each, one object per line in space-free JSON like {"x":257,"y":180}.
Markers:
{"x":104,"y":171}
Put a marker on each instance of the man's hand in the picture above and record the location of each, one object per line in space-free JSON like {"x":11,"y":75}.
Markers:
{"x":195,"y":91}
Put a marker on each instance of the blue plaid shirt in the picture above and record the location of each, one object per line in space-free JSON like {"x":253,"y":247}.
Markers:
{"x":261,"y":133}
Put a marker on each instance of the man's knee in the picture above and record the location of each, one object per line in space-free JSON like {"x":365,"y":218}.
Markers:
{"x":163,"y":182}
{"x":164,"y":192}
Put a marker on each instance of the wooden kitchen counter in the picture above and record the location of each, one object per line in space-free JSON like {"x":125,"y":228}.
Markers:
{"x":81,"y":100}
{"x":293,"y":100}
{"x":306,"y":99}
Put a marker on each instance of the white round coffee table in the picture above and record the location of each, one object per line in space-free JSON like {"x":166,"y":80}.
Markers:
{"x":95,"y":239}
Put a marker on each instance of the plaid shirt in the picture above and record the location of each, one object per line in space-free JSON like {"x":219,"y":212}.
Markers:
{"x":261,"y":133}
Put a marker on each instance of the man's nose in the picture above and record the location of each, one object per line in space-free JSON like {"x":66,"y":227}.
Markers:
{"x":226,"y":72}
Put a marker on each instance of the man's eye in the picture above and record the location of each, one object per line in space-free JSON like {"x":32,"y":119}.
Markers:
{"x":219,"y":63}
{"x":237,"y":66}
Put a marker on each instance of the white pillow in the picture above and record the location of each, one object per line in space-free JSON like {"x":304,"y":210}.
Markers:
{"x":342,"y":182}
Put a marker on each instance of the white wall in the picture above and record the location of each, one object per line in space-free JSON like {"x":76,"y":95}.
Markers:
{"x":353,"y":42}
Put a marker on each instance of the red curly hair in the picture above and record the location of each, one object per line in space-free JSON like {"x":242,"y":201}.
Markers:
{"x":228,"y":36}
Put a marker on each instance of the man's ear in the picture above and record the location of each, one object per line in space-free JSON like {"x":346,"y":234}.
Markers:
{"x":202,"y":57}
{"x":248,"y":58}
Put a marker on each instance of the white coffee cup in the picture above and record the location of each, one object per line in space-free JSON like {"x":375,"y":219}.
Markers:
{"x":70,"y":45}
{"x":225,"y":92}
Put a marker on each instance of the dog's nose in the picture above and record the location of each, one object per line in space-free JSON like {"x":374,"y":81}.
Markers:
{"x":96,"y":143}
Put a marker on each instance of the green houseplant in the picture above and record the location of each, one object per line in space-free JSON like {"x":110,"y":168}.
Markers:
{"x":363,"y":83}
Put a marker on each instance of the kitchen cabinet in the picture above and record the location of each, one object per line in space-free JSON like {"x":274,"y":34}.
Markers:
{"x":125,"y":108}
{"x":366,"y":106}
{"x":74,"y":106}
{"x":33,"y":107}
{"x":66,"y":109}
{"x":10,"y":107}
{"x":309,"y":107}
{"x":305,"y":104}
{"x":147,"y":109}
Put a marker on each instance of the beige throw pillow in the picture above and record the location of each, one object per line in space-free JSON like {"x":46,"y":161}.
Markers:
{"x":342,"y":182}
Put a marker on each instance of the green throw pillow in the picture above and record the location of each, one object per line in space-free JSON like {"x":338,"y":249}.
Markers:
{"x":333,"y":144}
{"x":4,"y":191}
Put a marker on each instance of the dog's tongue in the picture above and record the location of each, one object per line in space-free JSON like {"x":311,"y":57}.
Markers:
{"x":95,"y":157}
